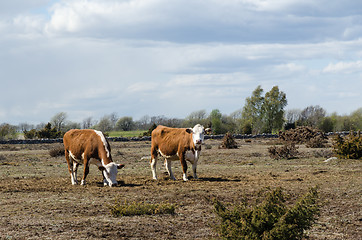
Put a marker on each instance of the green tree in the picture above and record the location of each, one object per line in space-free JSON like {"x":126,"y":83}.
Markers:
{"x":216,"y":123}
{"x":327,"y":124}
{"x":105,"y":124}
{"x":7,"y":131}
{"x":125,"y":124}
{"x":356,"y":119}
{"x":264,"y":113}
{"x":253,"y":111}
{"x":273,"y":109}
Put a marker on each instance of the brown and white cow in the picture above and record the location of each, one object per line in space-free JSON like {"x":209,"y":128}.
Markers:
{"x":182,"y":144}
{"x":89,"y":147}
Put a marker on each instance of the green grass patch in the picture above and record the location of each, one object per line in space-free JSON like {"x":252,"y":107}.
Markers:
{"x":141,"y":208}
{"x":135,"y":133}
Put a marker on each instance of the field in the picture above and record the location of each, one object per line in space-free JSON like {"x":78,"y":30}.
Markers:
{"x":38,"y":201}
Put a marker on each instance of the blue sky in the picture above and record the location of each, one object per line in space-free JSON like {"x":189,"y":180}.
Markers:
{"x":89,"y":58}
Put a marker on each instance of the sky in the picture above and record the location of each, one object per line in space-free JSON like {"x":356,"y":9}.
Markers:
{"x":90,"y":58}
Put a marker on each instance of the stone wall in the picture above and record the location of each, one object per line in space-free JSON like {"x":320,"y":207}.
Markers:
{"x":123,"y":139}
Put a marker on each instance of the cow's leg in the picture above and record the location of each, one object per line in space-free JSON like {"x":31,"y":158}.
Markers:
{"x":70,"y":163}
{"x":153,"y":167}
{"x":169,"y":169}
{"x":153,"y":162}
{"x":184,"y":166}
{"x":194,"y":166}
{"x":75,"y":168}
{"x":85,"y":171}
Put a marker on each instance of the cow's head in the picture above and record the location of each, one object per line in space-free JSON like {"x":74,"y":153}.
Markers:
{"x":198,"y":133}
{"x":110,"y":173}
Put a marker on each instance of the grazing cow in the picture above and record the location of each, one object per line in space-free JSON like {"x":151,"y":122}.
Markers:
{"x":177,"y":144}
{"x":89,"y":146}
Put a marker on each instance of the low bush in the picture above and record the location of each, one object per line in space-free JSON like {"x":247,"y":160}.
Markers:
{"x":302,"y":134}
{"x":228,"y":142}
{"x":349,"y":147}
{"x":318,"y":141}
{"x":149,"y":132}
{"x":56,"y":152}
{"x":46,"y":132}
{"x":287,"y":151}
{"x":269,"y":220}
{"x":141,"y":208}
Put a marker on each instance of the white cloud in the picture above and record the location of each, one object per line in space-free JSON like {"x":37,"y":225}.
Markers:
{"x":141,"y":57}
{"x":290,"y":67}
{"x":344,"y":67}
{"x":209,"y":80}
{"x":143,"y":87}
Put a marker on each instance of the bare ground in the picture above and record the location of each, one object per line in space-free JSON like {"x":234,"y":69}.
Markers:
{"x":37,"y":200}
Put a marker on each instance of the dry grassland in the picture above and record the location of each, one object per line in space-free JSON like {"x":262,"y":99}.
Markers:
{"x":37,"y":200}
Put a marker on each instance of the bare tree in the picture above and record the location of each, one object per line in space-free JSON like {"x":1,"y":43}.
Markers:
{"x":88,"y":123}
{"x":58,"y":120}
{"x":293,"y":115}
{"x":312,"y":116}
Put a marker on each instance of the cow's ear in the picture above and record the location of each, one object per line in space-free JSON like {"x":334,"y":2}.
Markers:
{"x":119,"y":166}
{"x":208,"y":130}
{"x":189,"y":130}
{"x":101,"y":168}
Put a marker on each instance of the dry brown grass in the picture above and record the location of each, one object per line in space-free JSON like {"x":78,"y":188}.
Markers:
{"x":38,"y":201}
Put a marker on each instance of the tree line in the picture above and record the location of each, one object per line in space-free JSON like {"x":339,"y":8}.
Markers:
{"x":261,"y":113}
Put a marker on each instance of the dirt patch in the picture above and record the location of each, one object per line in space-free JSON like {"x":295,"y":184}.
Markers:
{"x":38,"y":201}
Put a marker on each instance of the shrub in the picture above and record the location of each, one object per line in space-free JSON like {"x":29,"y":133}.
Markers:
{"x":269,"y":220}
{"x":318,"y":141}
{"x":300,"y":134}
{"x":149,"y":132}
{"x":56,"y":152}
{"x":7,"y":131}
{"x":48,"y":132}
{"x":287,"y":151}
{"x":141,"y":208}
{"x":228,"y":142}
{"x":30,"y":134}
{"x":349,"y":147}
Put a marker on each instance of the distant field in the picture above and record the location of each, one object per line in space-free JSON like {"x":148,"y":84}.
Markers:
{"x":134,"y":133}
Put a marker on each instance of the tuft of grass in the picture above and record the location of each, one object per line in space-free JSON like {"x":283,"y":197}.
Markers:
{"x":140,"y":208}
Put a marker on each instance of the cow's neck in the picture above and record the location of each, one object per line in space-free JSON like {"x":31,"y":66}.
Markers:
{"x":105,"y":159}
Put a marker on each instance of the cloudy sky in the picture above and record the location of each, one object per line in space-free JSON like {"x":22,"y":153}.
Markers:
{"x":161,"y":57}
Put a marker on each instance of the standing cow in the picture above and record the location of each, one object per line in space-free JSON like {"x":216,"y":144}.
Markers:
{"x":89,"y":147}
{"x":177,"y":144}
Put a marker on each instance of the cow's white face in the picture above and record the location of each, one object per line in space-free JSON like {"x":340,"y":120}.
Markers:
{"x":110,"y":173}
{"x":198,"y":133}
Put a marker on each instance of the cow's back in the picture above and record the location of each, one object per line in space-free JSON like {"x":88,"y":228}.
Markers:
{"x":168,"y":140}
{"x":76,"y":140}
